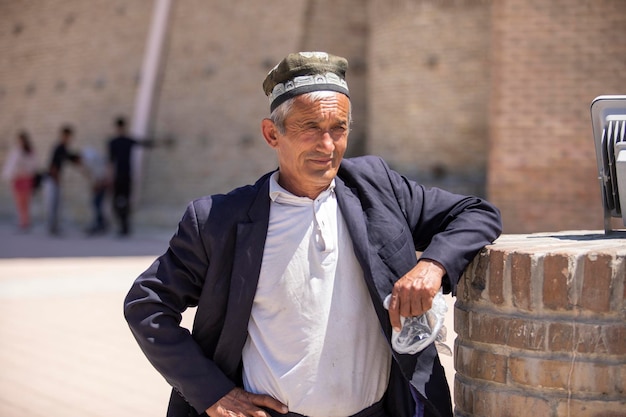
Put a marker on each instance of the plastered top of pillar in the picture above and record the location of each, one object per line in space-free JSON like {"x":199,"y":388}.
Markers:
{"x":567,"y":242}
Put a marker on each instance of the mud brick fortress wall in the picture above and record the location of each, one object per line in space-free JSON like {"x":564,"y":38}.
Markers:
{"x":541,"y":328}
{"x":477,"y":96}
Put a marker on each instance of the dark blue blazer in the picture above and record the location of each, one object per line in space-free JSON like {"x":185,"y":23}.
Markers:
{"x":213,"y":262}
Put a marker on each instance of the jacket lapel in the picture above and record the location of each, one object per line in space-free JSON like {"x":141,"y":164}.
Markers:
{"x":353,"y":215}
{"x":247,"y":260}
{"x":352,"y":212}
{"x":400,"y":400}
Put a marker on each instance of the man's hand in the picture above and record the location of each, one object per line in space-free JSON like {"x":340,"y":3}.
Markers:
{"x":239,"y":403}
{"x":413,"y":294}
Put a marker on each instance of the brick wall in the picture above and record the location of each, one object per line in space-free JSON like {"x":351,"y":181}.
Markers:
{"x":71,"y":62}
{"x":541,"y":331}
{"x":550,"y":60}
{"x":212,"y":100}
{"x":483,"y":97}
{"x":429,"y":82}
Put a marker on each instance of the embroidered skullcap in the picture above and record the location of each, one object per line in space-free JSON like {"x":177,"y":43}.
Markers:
{"x":304,"y":72}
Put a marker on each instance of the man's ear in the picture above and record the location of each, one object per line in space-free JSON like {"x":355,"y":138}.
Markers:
{"x":269,"y":132}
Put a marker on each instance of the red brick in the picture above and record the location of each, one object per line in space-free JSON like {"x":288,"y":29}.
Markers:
{"x":596,"y":290}
{"x":480,"y":364}
{"x":461,"y":323}
{"x":589,"y":408}
{"x":574,"y":375}
{"x":475,"y":278}
{"x":615,"y":337}
{"x":539,"y":373}
{"x":598,"y":378}
{"x":555,"y":282}
{"x":589,"y":338}
{"x":526,"y":334}
{"x":490,"y":401}
{"x":461,"y":291}
{"x":489,"y":328}
{"x":496,"y":276}
{"x":521,"y":279}
{"x":560,"y":337}
{"x":463,"y":396}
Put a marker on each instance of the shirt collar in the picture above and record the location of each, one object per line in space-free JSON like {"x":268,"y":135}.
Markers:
{"x":277,"y":191}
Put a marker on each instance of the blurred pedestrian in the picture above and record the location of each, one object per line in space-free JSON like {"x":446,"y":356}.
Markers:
{"x":120,"y":158}
{"x":20,"y":170}
{"x":96,"y":170}
{"x":60,"y":154}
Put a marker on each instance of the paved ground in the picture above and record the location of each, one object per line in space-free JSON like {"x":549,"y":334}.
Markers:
{"x":65,"y":349}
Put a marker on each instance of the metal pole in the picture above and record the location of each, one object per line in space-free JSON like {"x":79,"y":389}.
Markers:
{"x":145,"y":99}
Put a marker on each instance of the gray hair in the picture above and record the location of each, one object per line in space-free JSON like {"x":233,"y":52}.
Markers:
{"x":281,"y":112}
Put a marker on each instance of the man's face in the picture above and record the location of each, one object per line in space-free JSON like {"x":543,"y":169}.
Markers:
{"x":315,"y":140}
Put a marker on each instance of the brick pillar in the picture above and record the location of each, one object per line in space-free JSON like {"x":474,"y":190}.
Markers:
{"x":541,"y":328}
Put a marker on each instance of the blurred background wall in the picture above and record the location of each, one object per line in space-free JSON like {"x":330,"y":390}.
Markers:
{"x":483,"y":97}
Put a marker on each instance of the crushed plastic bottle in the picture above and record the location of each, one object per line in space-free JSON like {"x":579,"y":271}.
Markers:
{"x":420,"y":331}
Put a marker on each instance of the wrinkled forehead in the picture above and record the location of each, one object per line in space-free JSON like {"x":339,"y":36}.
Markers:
{"x":320,"y":106}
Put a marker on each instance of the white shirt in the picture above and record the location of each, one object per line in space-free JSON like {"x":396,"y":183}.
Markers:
{"x":18,"y":164}
{"x":314,"y":342}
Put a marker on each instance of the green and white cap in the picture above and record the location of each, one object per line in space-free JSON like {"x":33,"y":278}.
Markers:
{"x":305,"y":72}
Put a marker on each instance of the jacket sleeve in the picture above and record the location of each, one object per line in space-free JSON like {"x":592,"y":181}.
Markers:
{"x":153,"y":309}
{"x":446,"y":227}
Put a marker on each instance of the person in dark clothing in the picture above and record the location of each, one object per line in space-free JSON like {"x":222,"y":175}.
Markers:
{"x":60,"y":154}
{"x":120,"y":158}
{"x":288,"y":275}
{"x":95,"y":165}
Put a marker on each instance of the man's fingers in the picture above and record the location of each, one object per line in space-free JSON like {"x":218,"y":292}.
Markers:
{"x":410,"y":299}
{"x":268,"y":402}
{"x":394,"y":313}
{"x":241,"y":403}
{"x":413,"y":294}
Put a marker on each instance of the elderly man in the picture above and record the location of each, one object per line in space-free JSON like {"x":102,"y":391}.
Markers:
{"x":289,"y":274}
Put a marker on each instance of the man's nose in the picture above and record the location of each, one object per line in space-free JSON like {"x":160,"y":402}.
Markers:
{"x":327,"y":140}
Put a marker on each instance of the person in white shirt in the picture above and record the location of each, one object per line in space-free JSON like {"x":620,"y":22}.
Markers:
{"x":289,"y":274}
{"x":19,"y":170}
